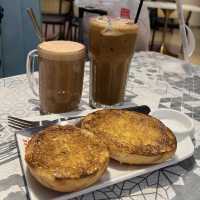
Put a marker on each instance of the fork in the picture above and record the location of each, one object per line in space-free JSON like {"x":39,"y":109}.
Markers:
{"x":20,"y":124}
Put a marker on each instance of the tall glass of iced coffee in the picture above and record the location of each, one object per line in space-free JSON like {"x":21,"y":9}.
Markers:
{"x":111,"y":47}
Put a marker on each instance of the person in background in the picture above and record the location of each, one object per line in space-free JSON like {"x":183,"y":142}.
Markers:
{"x":119,"y":8}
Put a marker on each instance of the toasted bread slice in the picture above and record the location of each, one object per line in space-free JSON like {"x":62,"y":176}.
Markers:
{"x":132,"y":137}
{"x":66,"y":158}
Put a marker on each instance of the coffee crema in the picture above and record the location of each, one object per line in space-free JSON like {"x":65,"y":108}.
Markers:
{"x":112,"y":43}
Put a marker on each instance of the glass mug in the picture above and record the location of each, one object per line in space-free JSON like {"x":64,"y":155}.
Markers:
{"x":111,"y":47}
{"x":61,"y":71}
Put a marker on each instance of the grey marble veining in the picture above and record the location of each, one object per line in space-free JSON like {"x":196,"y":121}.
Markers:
{"x":170,"y":86}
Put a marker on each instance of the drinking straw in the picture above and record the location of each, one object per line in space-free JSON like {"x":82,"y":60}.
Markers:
{"x":139,"y":11}
{"x":35,"y":24}
{"x":179,"y":5}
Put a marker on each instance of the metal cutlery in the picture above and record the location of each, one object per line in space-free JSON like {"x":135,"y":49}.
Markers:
{"x":19,"y":124}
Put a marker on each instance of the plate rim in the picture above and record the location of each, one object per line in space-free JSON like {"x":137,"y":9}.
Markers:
{"x":94,"y":187}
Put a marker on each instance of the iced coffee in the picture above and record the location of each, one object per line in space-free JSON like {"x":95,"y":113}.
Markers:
{"x":111,"y":47}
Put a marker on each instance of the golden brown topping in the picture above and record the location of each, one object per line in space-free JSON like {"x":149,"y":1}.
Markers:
{"x":130,"y":132}
{"x":66,"y":152}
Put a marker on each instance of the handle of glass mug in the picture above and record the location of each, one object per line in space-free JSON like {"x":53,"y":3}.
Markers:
{"x":191,"y":41}
{"x":30,"y":63}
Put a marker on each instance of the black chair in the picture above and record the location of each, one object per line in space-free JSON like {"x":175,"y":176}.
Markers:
{"x":59,"y":17}
{"x":157,"y":22}
{"x":82,"y":11}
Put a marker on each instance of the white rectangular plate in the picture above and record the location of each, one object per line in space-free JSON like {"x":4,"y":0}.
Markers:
{"x":115,"y":173}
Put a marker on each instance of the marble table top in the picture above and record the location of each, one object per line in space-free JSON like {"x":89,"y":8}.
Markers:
{"x":156,"y":80}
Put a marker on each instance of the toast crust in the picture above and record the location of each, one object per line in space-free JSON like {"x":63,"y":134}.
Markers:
{"x":66,"y":158}
{"x":132,"y":137}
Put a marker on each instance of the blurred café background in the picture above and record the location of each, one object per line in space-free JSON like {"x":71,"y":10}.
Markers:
{"x":62,"y":20}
